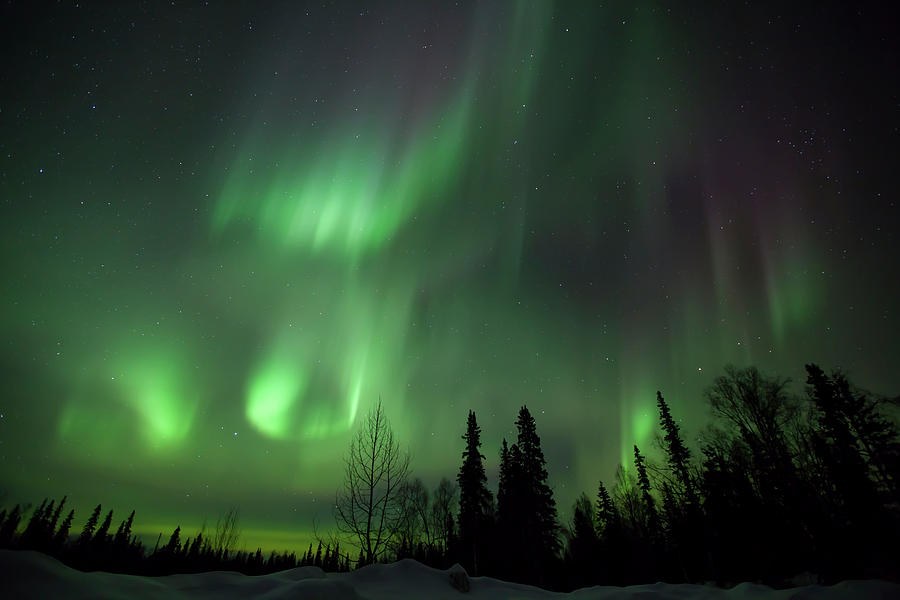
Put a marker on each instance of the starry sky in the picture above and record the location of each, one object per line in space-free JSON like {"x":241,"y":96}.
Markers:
{"x":228,"y":228}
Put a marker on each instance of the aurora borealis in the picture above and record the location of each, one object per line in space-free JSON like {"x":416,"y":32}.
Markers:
{"x":227,"y":230}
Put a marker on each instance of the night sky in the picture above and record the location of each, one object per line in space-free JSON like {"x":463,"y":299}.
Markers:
{"x":227,"y":230}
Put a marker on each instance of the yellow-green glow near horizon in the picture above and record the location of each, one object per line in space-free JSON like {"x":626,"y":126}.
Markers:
{"x":222,"y":248}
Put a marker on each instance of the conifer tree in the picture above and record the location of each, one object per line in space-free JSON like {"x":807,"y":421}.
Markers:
{"x":506,"y":476}
{"x":123,"y":535}
{"x":536,"y":514}
{"x":31,"y":534}
{"x":45,"y":527}
{"x":475,"y":501}
{"x":10,"y":525}
{"x":334,"y":562}
{"x":173,"y":546}
{"x":606,"y":513}
{"x":510,"y":533}
{"x":87,"y":533}
{"x":679,"y":457}
{"x":197,"y":546}
{"x":119,"y":531}
{"x":651,"y":514}
{"x":684,"y":522}
{"x":62,"y":534}
{"x":100,"y":538}
{"x":614,"y":560}
{"x":55,"y":519}
{"x":671,"y":509}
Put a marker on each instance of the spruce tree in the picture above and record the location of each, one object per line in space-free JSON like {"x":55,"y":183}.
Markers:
{"x":505,"y":481}
{"x":123,"y":535}
{"x":334,"y":565}
{"x":119,"y":533}
{"x":87,"y":533}
{"x":100,"y":538}
{"x":48,"y":512}
{"x":10,"y":525}
{"x":173,"y":546}
{"x":651,"y":515}
{"x":679,"y":457}
{"x":509,"y":549}
{"x":44,"y":532}
{"x":684,"y":521}
{"x":671,"y":512}
{"x":643,"y":479}
{"x":31,"y":534}
{"x":606,"y":514}
{"x":55,"y":519}
{"x":62,"y":534}
{"x":475,"y":500}
{"x":537,"y":512}
{"x":197,"y":547}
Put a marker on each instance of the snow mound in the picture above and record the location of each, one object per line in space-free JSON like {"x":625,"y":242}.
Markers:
{"x":32,"y":575}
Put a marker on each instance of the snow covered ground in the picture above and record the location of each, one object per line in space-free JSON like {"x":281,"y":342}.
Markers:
{"x":33,"y":575}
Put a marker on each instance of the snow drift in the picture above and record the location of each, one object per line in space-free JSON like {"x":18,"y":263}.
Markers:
{"x":34,"y":575}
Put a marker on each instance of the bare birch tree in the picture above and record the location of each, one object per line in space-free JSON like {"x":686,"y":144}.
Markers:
{"x":369,"y":507}
{"x":442,"y":510}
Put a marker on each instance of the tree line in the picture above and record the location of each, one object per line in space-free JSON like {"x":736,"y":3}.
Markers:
{"x":777,"y":485}
{"x":97,"y":548}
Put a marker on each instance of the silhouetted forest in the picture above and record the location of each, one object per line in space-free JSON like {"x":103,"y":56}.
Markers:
{"x":96,"y":548}
{"x":777,"y":486}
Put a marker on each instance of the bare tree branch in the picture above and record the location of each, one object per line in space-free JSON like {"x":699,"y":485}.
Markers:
{"x":368,"y":506}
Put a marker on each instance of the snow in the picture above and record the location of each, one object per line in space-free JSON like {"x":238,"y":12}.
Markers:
{"x":33,"y":575}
